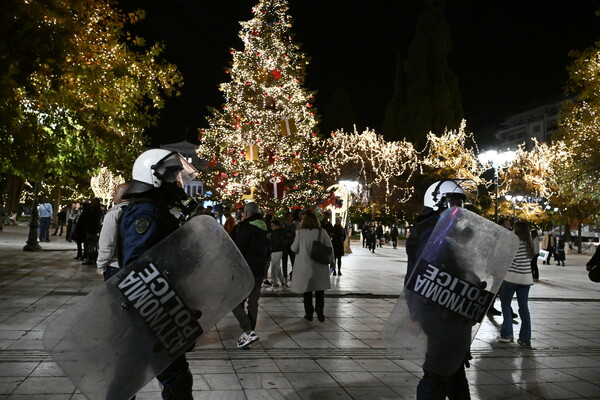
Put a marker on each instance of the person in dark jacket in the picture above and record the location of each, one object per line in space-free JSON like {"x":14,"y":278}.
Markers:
{"x":276,"y":238}
{"x":87,"y":230}
{"x":251,"y":239}
{"x":337,"y":241}
{"x":379,"y":234}
{"x":394,"y":236}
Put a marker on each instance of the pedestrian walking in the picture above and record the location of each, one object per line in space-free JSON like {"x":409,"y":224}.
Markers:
{"x":251,"y":239}
{"x":309,"y":275}
{"x":337,"y":240}
{"x":518,"y":280}
{"x":61,"y":219}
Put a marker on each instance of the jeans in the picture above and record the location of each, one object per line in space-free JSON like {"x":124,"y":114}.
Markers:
{"x":45,"y":229}
{"x":247,"y":320}
{"x":507,"y":292}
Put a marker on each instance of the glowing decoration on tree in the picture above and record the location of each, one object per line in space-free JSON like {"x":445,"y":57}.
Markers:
{"x":275,"y":112}
{"x":532,"y":171}
{"x":380,"y":163}
{"x":453,"y":155}
{"x":579,"y":124}
{"x":104,"y":184}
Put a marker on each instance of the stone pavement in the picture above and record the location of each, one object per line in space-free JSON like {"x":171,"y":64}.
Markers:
{"x":342,"y":358}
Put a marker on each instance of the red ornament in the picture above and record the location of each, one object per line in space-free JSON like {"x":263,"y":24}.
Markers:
{"x":276,"y":73}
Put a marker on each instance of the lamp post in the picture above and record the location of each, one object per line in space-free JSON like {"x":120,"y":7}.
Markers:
{"x":32,"y":243}
{"x":496,"y":159}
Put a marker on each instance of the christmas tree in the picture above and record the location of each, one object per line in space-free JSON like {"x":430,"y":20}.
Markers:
{"x":263,"y":141}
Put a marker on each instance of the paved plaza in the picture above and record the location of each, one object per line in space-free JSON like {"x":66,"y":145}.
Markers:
{"x":342,"y":358}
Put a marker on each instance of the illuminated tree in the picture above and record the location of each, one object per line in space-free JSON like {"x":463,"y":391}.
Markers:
{"x":104,"y":185}
{"x":579,"y":123}
{"x":77,"y":89}
{"x":264,"y":140}
{"x":452,"y":155}
{"x":531,"y":176}
{"x":385,"y":168}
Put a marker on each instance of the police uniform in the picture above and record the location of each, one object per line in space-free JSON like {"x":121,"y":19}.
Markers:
{"x":446,"y":334}
{"x":144,"y":223}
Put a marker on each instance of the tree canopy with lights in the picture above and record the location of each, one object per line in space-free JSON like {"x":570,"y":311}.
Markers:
{"x":77,"y":89}
{"x":580,"y":132}
{"x":263,"y":140}
{"x":383,"y":168}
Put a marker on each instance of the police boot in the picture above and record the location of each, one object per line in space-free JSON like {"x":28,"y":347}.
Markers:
{"x":180,"y":388}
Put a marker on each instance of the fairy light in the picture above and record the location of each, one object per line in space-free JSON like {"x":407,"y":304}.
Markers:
{"x":268,"y":112}
{"x":104,"y":184}
{"x":453,"y":154}
{"x":379,"y":162}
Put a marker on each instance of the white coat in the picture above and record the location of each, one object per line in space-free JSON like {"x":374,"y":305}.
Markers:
{"x":309,"y":275}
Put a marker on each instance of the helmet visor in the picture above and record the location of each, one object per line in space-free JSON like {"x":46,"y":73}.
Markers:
{"x":173,"y":168}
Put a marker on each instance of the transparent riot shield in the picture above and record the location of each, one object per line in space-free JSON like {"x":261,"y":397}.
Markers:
{"x":119,"y":337}
{"x":449,"y":291}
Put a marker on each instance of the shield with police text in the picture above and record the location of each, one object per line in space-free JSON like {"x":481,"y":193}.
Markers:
{"x":124,"y":333}
{"x":453,"y":283}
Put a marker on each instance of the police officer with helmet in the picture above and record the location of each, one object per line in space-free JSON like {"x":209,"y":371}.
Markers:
{"x":157,"y":186}
{"x":439,"y":196}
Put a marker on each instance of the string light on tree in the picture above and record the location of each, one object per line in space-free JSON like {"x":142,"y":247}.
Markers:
{"x":380,"y":163}
{"x":267,"y":113}
{"x":453,"y":155}
{"x":104,"y":184}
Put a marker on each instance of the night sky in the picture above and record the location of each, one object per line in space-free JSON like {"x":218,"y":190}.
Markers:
{"x":509,"y":55}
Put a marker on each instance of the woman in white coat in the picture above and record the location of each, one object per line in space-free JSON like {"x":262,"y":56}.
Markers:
{"x":309,"y":275}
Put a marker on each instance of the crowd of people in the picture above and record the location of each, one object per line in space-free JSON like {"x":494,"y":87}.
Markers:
{"x":375,"y":234}
{"x":280,"y":246}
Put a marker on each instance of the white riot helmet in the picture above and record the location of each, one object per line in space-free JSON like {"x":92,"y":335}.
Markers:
{"x":156,"y":167}
{"x":443,"y":194}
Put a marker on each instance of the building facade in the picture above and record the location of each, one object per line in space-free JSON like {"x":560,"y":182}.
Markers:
{"x":539,"y":123}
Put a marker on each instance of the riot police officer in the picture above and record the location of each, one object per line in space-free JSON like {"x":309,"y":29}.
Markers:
{"x":157,"y":187}
{"x":443,"y":336}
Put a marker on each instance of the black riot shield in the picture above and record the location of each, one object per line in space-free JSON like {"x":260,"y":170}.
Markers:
{"x":449,"y":291}
{"x":124,"y":333}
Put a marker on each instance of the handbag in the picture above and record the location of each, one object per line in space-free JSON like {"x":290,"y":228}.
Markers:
{"x":320,"y":252}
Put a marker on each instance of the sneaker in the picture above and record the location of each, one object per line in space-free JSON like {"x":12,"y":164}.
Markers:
{"x":527,"y":345}
{"x":267,"y":283}
{"x":272,"y":289}
{"x":505,"y":340}
{"x":285,"y":289}
{"x":246,"y":339}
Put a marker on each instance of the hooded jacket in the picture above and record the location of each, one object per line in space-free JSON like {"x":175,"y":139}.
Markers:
{"x":252,"y":241}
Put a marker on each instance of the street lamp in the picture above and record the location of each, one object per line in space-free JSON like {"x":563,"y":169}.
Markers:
{"x":496,"y":160}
